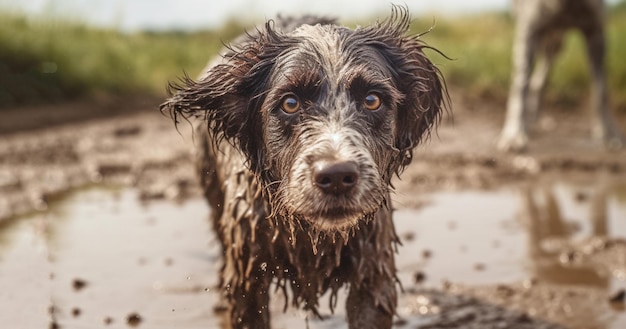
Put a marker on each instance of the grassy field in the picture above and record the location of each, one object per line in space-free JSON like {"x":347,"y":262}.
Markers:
{"x":50,"y":60}
{"x":44,"y":60}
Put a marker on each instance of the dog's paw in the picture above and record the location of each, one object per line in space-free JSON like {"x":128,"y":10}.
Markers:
{"x":513,"y":142}
{"x":610,"y":136}
{"x":615,"y":142}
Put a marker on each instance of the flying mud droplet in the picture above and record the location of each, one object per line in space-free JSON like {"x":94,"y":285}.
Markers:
{"x":134,"y":320}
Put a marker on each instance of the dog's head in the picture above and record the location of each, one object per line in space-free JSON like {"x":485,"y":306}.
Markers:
{"x":325,"y":115}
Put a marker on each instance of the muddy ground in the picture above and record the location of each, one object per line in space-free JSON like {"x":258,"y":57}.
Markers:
{"x":120,"y":158}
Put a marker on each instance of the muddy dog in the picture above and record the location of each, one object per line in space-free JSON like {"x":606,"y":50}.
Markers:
{"x":540,"y":27}
{"x":306,"y":127}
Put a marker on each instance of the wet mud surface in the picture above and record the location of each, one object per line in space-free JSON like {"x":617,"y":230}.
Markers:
{"x":102,"y":226}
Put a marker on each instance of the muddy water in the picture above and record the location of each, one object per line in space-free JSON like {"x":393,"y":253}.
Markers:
{"x":101,"y":258}
{"x":509,"y":235}
{"x":531,"y":235}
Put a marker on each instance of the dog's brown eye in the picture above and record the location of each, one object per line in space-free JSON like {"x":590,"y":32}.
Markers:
{"x":372,"y":102}
{"x":290,"y":104}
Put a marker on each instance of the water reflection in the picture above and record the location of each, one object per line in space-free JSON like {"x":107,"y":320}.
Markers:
{"x":581,"y":249}
{"x":101,"y":258}
{"x":158,"y":259}
{"x":550,"y":235}
{"x":566,"y":238}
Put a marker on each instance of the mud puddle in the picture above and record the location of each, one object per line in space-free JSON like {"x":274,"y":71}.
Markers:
{"x":512,"y":234}
{"x":102,"y":258}
{"x":555,"y":252}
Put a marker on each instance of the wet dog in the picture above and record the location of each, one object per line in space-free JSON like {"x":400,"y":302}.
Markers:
{"x":304,"y":127}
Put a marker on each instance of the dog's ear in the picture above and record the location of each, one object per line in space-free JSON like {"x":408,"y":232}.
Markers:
{"x":417,"y":78}
{"x":229,"y":95}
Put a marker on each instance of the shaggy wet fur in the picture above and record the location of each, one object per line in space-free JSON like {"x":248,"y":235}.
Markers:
{"x":307,"y":124}
{"x":539,"y":30}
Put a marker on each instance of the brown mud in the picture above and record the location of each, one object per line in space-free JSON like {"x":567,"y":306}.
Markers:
{"x":102,"y":224}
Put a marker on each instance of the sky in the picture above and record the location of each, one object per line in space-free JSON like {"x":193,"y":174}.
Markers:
{"x":133,"y":15}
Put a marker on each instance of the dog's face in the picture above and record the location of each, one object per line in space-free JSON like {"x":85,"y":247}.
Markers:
{"x":324,"y":114}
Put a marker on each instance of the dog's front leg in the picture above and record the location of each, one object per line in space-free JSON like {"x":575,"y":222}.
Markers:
{"x":249,"y":304}
{"x":372,"y":305}
{"x":372,"y":300}
{"x":245,"y":280}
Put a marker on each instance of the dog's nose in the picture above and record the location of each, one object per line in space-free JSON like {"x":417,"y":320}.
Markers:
{"x":335,"y":177}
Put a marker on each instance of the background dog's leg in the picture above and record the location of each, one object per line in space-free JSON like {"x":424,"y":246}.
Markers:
{"x":603,"y":129}
{"x":514,"y":135}
{"x":550,"y":47}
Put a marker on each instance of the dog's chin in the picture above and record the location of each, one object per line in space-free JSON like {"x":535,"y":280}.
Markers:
{"x":338,"y":220}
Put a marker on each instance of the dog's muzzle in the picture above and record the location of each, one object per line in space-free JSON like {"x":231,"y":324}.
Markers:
{"x":334,"y":177}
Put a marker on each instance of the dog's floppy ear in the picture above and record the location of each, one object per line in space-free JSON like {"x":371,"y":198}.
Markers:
{"x":419,"y":80}
{"x":230,"y":94}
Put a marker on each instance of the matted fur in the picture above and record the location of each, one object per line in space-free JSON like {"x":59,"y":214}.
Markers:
{"x":256,"y":161}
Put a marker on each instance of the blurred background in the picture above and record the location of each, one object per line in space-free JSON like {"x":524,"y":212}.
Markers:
{"x":54,"y":50}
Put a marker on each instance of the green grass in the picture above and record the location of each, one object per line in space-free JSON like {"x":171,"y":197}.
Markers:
{"x":45,"y":60}
{"x":479,"y":48}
